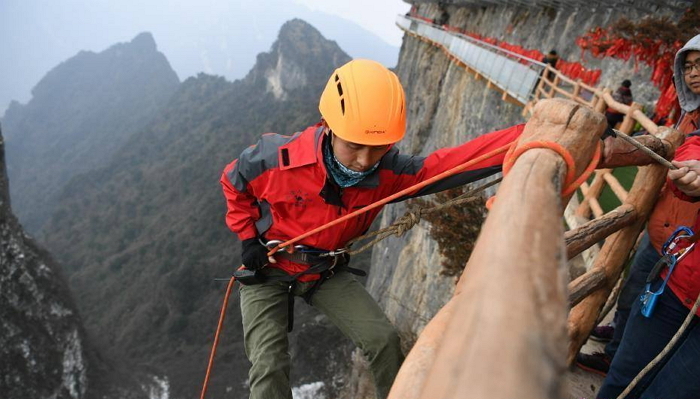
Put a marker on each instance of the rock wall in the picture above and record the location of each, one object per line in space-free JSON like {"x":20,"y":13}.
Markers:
{"x":41,"y":338}
{"x":44,"y":352}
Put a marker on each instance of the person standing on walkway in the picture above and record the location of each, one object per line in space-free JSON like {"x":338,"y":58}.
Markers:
{"x":623,"y":95}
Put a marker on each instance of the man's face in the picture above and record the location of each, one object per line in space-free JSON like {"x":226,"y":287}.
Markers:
{"x":357,"y":157}
{"x":691,"y":71}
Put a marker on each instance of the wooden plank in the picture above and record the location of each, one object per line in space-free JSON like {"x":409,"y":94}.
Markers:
{"x":615,"y":186}
{"x":521,"y":287}
{"x":592,"y":192}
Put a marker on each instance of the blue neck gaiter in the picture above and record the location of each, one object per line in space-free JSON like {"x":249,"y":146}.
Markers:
{"x":343,"y":176}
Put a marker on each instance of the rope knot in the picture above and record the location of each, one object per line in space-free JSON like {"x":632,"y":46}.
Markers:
{"x":406,"y":222}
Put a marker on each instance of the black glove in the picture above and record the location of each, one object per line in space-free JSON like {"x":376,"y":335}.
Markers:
{"x":609,"y":132}
{"x":254,"y":254}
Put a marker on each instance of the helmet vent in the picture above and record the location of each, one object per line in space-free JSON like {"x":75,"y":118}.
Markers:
{"x":336,"y":77}
{"x":342,"y":105}
{"x":340,"y":89}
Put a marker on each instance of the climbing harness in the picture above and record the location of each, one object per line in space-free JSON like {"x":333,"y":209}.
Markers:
{"x":672,"y":253}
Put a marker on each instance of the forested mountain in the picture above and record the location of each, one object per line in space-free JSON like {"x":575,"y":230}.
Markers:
{"x":81,"y":112}
{"x":44,"y":350}
{"x":144,"y":237}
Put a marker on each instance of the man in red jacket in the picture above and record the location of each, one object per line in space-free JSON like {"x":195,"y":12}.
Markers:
{"x":676,"y":376}
{"x":285,"y":186}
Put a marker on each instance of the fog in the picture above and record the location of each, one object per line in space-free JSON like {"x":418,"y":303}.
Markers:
{"x":212,"y":36}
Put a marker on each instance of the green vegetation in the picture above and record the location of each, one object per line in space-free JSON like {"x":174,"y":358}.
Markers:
{"x":81,"y":112}
{"x":455,"y":228}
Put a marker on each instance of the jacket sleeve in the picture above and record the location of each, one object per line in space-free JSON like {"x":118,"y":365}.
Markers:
{"x":242,"y":208}
{"x":416,"y":169}
{"x":689,"y":150}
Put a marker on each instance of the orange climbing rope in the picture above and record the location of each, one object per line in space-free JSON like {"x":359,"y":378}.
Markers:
{"x":222,"y":315}
{"x":457,"y":169}
{"x":512,"y":154}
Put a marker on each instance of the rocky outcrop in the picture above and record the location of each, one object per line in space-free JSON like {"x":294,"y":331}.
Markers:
{"x":42,"y":344}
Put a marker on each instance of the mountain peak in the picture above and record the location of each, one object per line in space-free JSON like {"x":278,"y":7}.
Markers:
{"x":300,"y":58}
{"x":144,"y":41}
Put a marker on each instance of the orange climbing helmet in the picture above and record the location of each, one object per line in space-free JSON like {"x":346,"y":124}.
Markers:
{"x":364,"y":103}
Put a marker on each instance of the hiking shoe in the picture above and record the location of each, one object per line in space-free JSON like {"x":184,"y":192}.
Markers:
{"x":597,"y":362}
{"x":603,"y":333}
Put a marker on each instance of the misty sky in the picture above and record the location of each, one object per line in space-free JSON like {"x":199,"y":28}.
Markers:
{"x":213,"y":36}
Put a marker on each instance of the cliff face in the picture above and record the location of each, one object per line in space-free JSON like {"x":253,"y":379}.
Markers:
{"x":447,"y":106}
{"x":44,"y":348}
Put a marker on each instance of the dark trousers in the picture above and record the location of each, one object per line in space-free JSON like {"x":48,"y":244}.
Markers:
{"x":346,"y":303}
{"x":644,"y":261}
{"x":677,"y":376}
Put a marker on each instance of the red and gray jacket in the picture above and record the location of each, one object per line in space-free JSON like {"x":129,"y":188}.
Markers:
{"x":279,"y":188}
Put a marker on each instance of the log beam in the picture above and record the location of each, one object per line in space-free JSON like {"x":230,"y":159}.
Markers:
{"x":524,"y":287}
{"x":589,"y":233}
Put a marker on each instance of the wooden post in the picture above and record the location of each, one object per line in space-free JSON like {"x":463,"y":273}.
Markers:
{"x":577,"y":89}
{"x":601,"y":105}
{"x":553,"y":86}
{"x":614,"y":253}
{"x":414,"y":371}
{"x":628,"y":123}
{"x":594,"y":190}
{"x":516,"y":298}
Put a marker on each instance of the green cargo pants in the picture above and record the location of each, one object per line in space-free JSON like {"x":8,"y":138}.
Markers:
{"x":346,"y":303}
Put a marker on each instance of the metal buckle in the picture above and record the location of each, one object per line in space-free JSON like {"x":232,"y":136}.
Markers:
{"x":271,"y":244}
{"x":673,"y":241}
{"x":672,"y":253}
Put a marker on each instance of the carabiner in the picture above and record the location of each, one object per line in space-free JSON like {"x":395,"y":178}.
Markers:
{"x":671,"y":255}
{"x":683,"y":232}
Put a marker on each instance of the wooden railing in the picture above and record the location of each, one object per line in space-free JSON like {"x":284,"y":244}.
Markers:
{"x":503,"y":334}
{"x":589,"y":292}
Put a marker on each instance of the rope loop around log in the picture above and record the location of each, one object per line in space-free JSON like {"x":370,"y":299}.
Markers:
{"x":572,"y":182}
